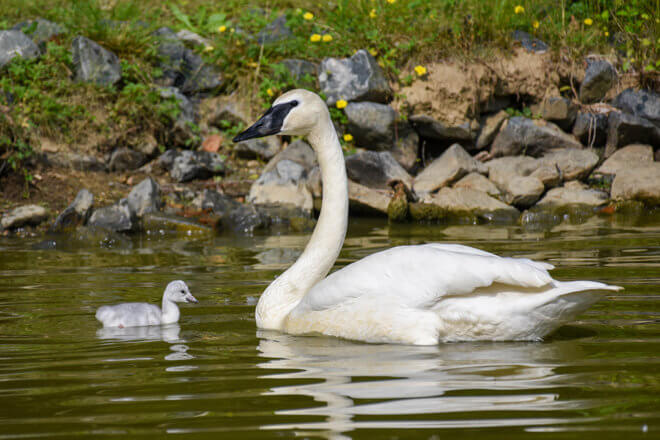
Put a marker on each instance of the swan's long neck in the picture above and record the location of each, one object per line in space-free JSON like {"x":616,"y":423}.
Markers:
{"x":327,"y":239}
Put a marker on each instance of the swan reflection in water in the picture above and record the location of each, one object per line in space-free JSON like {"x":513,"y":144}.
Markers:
{"x":414,"y":380}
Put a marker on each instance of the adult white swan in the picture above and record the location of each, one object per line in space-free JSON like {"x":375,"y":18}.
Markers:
{"x":408,"y":294}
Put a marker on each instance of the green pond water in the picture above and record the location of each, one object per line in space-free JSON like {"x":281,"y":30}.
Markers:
{"x":214,"y":375}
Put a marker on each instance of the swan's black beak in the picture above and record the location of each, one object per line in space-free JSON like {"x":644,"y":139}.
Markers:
{"x":270,"y":123}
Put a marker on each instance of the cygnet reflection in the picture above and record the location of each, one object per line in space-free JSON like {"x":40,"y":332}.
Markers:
{"x":167,"y":333}
{"x":414,"y":380}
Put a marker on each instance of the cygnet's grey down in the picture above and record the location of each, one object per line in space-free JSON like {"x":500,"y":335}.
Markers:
{"x":139,"y":314}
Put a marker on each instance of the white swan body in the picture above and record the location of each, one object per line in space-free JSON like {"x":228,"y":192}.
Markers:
{"x":410,"y":294}
{"x":141,"y":314}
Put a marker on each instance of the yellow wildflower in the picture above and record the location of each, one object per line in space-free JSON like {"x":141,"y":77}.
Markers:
{"x":519,"y":10}
{"x":607,"y":34}
{"x":348,"y":137}
{"x":536,"y":24}
{"x":222,"y":28}
{"x":341,"y":104}
{"x":373,"y":52}
{"x":269,"y":91}
{"x":315,"y":38}
{"x":308,"y":16}
{"x":372,"y":13}
{"x":208,"y":48}
{"x":588,"y":21}
{"x":327,"y":38}
{"x":232,"y":30}
{"x":420,"y":70}
{"x":391,"y":1}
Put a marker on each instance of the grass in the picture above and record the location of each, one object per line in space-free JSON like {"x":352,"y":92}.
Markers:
{"x":400,"y":34}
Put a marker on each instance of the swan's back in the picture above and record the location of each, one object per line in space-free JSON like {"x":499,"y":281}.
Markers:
{"x":129,"y":315}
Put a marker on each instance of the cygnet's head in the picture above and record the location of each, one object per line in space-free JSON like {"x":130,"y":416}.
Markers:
{"x":294,"y":113}
{"x":177,"y":291}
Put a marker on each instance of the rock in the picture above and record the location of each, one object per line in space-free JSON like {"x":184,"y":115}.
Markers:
{"x":115,"y":218}
{"x":299,"y":152}
{"x":182,"y":132}
{"x":276,"y":31}
{"x":599,"y":78}
{"x":159,"y":223}
{"x":41,"y":31}
{"x":513,"y":176}
{"x":369,"y":201}
{"x":303,"y":72}
{"x":226,"y":112}
{"x":76,"y":161}
{"x":166,"y":160}
{"x":530,"y":137}
{"x":144,"y":198}
{"x":591,"y":128}
{"x":76,"y":214}
{"x":523,"y":191}
{"x":260,"y":148}
{"x":489,"y":129}
{"x":244,"y":218}
{"x":503,"y":169}
{"x":190,"y":165}
{"x":548,"y":174}
{"x":358,"y":78}
{"x":429,"y":128}
{"x":283,"y":183}
{"x":376,"y":170}
{"x":236,"y":187}
{"x":462,"y":201}
{"x":573,"y":164}
{"x":629,"y":156}
{"x":92,"y":63}
{"x":192,"y":39}
{"x":16,"y":43}
{"x":183,"y":68}
{"x":31,"y":215}
{"x":378,"y":127}
{"x":641,"y":183}
{"x":574,"y":193}
{"x":641,"y":103}
{"x":478,"y":182}
{"x":147,"y":145}
{"x":625,"y":129}
{"x":559,"y":110}
{"x":529,"y":43}
{"x":449,"y":167}
{"x":125,"y":159}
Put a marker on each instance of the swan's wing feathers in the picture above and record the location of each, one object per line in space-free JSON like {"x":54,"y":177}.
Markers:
{"x":420,"y":276}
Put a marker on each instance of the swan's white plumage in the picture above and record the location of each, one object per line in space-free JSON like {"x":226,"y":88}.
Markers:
{"x":408,"y":294}
{"x":142,"y":314}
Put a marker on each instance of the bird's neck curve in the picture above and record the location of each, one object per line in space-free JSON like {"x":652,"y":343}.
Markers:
{"x":326,"y":242}
{"x":169,"y":312}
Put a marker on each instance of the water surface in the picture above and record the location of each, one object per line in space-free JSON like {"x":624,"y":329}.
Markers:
{"x":214,"y":375}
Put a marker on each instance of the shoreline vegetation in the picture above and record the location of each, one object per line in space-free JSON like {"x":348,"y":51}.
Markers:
{"x":448,"y":111}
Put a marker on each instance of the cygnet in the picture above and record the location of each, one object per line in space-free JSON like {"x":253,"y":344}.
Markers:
{"x":139,"y":314}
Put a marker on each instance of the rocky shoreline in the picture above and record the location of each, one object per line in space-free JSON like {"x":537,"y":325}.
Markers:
{"x":506,"y":142}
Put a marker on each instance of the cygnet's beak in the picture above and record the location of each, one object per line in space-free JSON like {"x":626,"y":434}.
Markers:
{"x":270,"y":123}
{"x":190,"y":299}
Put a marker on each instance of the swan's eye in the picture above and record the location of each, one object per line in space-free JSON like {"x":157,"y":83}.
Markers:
{"x":182,"y":291}
{"x":293,"y":103}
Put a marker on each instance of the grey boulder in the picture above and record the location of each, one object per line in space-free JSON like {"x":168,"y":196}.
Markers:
{"x":453,"y":164}
{"x":144,"y":198}
{"x":376,"y":170}
{"x":115,"y":218}
{"x":31,"y":215}
{"x":92,"y":63}
{"x":191,"y":165}
{"x":16,"y":44}
{"x":530,"y":137}
{"x":599,"y":78}
{"x":358,"y":78}
{"x":642,"y":103}
{"x":76,"y":214}
{"x":591,"y":128}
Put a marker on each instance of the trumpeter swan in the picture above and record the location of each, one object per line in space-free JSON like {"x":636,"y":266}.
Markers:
{"x":139,"y":314}
{"x":409,"y":294}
